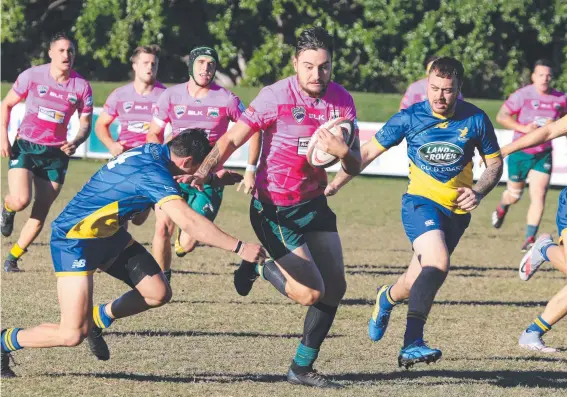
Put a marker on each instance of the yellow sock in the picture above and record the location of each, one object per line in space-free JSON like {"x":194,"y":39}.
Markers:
{"x":17,"y":251}
{"x":7,"y":208}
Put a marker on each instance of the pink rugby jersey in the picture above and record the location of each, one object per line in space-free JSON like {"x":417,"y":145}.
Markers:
{"x":50,"y":105}
{"x":530,"y":106}
{"x":417,"y":92}
{"x":134,"y":112}
{"x":211,"y":113}
{"x":289,"y":117}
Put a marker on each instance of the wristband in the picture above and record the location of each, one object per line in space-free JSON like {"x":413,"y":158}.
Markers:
{"x":251,"y":168}
{"x":238,"y":247}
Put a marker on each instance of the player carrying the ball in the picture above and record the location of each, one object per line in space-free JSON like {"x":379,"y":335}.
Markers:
{"x":442,"y":134}
{"x":289,"y":211}
{"x":544,"y":249}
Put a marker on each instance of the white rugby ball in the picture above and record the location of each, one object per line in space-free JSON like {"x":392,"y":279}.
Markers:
{"x":318,"y":158}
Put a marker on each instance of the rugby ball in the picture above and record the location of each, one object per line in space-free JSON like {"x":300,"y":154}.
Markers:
{"x":320,"y":159}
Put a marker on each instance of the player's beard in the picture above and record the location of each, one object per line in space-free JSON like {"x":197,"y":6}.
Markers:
{"x":315,"y":94}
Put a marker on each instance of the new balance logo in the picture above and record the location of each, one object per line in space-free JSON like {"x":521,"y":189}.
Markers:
{"x":79,"y":263}
{"x":429,"y":223}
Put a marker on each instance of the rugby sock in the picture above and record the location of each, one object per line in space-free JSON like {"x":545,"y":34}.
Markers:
{"x":317,"y":324}
{"x":167,"y":274}
{"x":539,"y":325}
{"x":545,"y":248}
{"x":7,"y":208}
{"x":531,"y":230}
{"x":10,"y":340}
{"x":420,"y":301}
{"x":386,"y":301}
{"x":271,"y":272}
{"x":101,"y":319}
{"x":16,"y":252}
{"x":502,"y":208}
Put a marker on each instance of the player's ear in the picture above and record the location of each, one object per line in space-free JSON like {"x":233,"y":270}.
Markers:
{"x":187,"y":162}
{"x":295,"y":63}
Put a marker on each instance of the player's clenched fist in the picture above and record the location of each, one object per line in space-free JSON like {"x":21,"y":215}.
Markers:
{"x":468,"y":199}
{"x":254,"y":253}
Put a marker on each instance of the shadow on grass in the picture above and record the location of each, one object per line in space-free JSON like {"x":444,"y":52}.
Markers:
{"x":230,"y":334}
{"x":502,"y":378}
{"x":544,"y":359}
{"x":454,"y":268}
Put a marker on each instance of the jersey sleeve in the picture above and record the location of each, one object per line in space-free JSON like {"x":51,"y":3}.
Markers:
{"x":514,"y":102}
{"x":85,"y":105}
{"x":110,"y":106}
{"x":350,"y":113}
{"x":393,"y":132}
{"x":161,"y":116}
{"x":22,"y":84}
{"x":235,"y":108}
{"x":158,"y":185}
{"x":262,"y":112}
{"x":488,"y":143}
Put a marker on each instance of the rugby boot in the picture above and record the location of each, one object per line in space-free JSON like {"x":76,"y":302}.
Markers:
{"x":418,"y":352}
{"x":533,"y":259}
{"x":310,"y":378}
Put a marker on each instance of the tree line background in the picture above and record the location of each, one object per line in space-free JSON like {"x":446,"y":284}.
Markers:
{"x":380,"y":45}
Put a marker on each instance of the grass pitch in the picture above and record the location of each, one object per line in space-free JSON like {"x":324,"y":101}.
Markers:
{"x":211,"y":342}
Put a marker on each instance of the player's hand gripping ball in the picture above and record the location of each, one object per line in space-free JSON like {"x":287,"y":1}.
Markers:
{"x":339,"y":126}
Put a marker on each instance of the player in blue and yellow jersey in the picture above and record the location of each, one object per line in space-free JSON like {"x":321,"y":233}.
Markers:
{"x":88,"y":235}
{"x":544,"y":249}
{"x":442,"y":134}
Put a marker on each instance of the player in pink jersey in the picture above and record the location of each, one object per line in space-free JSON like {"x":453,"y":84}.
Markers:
{"x":532,"y":106}
{"x":417,"y":91}
{"x":133,"y":104}
{"x":198,"y":103}
{"x":40,"y":153}
{"x":289,"y":211}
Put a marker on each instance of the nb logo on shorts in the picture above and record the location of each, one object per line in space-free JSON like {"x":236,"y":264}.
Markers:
{"x":14,"y":162}
{"x":79,"y":263}
{"x":429,"y":223}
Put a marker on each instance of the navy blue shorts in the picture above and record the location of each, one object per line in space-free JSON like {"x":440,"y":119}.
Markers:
{"x":421,"y":215}
{"x":561,"y":218}
{"x":78,"y":257}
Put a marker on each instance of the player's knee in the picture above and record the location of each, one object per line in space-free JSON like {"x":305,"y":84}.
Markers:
{"x":309,"y":296}
{"x":19,"y":203}
{"x":163,"y":231}
{"x":72,"y":338}
{"x":160,"y":297}
{"x":514,"y":195}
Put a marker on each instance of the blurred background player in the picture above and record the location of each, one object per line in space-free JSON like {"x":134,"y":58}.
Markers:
{"x":532,"y":106}
{"x":88,"y":234}
{"x":289,"y":211}
{"x":417,"y":91}
{"x":133,"y":104}
{"x":40,"y":154}
{"x":198,"y":103}
{"x":440,"y":196}
{"x":544,"y":249}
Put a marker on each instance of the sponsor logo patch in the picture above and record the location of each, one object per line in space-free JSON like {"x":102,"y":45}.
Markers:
{"x":298,"y":114}
{"x":302,"y":144}
{"x":213,"y":112}
{"x":535,"y":104}
{"x":88,"y":101}
{"x":72,"y":98}
{"x":139,"y":127}
{"x":179,"y":110}
{"x":51,"y":115}
{"x":42,"y":90}
{"x":440,"y":153}
{"x":334,"y":114}
{"x":127,"y":106}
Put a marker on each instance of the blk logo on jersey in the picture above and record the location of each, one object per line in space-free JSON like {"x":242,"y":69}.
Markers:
{"x":127,"y":106}
{"x":179,"y":110}
{"x":298,"y":113}
{"x":42,"y":90}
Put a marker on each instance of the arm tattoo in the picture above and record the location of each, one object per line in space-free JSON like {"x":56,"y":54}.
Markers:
{"x":489,"y":178}
{"x":210,"y":162}
{"x":82,"y":134}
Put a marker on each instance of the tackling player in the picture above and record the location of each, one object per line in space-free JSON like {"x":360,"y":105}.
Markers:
{"x":40,"y":154}
{"x":533,"y":106}
{"x":198,"y":103}
{"x":88,"y":234}
{"x":544,"y":249}
{"x":442,"y":134}
{"x":289,"y":211}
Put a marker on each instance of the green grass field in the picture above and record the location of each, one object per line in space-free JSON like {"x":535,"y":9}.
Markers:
{"x":370,"y":107}
{"x":211,"y":342}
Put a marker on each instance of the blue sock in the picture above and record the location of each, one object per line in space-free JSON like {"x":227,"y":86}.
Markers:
{"x":414,"y":330}
{"x":539,"y":325}
{"x":305,"y":356}
{"x":10,"y":340}
{"x":100,"y":317}
{"x":531,"y":230}
{"x":386,"y":301}
{"x":545,"y":248}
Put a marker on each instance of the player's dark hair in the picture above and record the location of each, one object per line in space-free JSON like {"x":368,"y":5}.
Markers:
{"x":153,"y":49}
{"x":448,"y":67}
{"x":429,"y":59}
{"x":191,"y":142}
{"x":60,"y":36}
{"x":314,"y":39}
{"x":543,"y":62}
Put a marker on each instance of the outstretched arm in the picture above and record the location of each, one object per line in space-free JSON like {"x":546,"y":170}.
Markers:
{"x":537,"y":137}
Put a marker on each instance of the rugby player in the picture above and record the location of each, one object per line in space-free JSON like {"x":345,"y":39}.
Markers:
{"x":442,"y":134}
{"x":525,"y":110}
{"x":88,"y":234}
{"x":289,"y":211}
{"x":197,"y":103}
{"x":544,"y":249}
{"x":40,"y":154}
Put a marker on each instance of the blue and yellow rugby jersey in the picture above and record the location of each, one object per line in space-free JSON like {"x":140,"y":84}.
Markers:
{"x":128,"y":184}
{"x":440,"y":149}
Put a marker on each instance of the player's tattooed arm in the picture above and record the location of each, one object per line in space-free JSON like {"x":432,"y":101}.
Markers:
{"x":490,"y":177}
{"x":84,"y":131}
{"x":210,"y":162}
